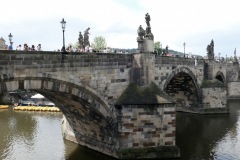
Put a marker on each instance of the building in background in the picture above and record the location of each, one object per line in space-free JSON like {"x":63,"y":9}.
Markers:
{"x":3,"y":46}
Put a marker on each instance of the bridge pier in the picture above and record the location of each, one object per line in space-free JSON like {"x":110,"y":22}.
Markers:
{"x":146,"y":123}
{"x":146,"y":126}
{"x":214,"y":90}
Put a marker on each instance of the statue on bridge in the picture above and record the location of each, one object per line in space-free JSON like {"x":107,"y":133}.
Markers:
{"x":145,"y":37}
{"x":149,"y":34}
{"x":141,"y":33}
{"x":210,"y":50}
{"x":235,"y":61}
{"x":80,"y":41}
{"x":147,"y":18}
{"x":86,"y":37}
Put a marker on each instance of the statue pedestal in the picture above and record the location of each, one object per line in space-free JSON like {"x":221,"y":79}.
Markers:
{"x":145,"y":45}
{"x":140,"y":45}
{"x":148,"y":45}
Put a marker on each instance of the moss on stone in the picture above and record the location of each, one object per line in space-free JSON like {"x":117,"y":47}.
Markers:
{"x":149,"y":152}
{"x":212,"y":83}
{"x":148,"y":94}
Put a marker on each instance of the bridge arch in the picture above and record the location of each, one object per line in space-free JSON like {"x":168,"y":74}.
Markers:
{"x":220,"y":76}
{"x":182,"y":86}
{"x":92,"y":121}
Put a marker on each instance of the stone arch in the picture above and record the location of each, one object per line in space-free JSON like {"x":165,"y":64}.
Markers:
{"x":220,"y":76}
{"x":92,"y":121}
{"x":182,"y":72}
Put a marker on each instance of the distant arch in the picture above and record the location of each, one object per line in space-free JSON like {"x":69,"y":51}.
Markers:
{"x":220,"y":76}
{"x":182,"y":79}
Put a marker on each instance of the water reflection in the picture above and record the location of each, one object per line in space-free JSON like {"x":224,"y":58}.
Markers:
{"x":209,"y":136}
{"x":37,"y":135}
{"x":27,"y":135}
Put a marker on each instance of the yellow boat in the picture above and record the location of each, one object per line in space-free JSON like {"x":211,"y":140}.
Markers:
{"x":36,"y":108}
{"x":4,"y":106}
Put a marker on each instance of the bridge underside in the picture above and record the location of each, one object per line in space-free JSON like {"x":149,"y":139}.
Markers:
{"x":86,"y":125}
{"x":183,"y":91}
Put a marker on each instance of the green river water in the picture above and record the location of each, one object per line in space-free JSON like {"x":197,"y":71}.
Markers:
{"x":37,"y":136}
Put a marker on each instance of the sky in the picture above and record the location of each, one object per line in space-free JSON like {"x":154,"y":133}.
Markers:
{"x":173,"y":22}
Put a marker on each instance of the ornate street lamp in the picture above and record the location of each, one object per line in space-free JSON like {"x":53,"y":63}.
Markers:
{"x":10,"y":40}
{"x":184,"y":44}
{"x":63,"y":28}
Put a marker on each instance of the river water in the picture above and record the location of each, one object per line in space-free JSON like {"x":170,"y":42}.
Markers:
{"x":37,"y":136}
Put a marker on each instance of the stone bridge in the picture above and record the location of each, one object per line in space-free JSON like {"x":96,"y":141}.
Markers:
{"x":122,"y":105}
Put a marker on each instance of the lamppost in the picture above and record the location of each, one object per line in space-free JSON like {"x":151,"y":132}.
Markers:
{"x":184,"y":44}
{"x":10,"y":40}
{"x":63,"y":28}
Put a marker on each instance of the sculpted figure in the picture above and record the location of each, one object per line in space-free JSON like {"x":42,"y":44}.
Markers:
{"x":141,"y":32}
{"x":212,"y":46}
{"x":149,"y":34}
{"x":210,"y":50}
{"x":80,"y":40}
{"x":166,"y":50}
{"x":147,"y":18}
{"x":86,"y":37}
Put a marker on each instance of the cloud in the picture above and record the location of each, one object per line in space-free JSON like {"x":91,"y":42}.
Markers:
{"x":173,"y":22}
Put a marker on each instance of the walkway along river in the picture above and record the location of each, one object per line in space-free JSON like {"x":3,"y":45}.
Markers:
{"x":37,"y":135}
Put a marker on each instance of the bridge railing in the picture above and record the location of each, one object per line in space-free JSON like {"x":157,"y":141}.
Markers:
{"x":159,"y":60}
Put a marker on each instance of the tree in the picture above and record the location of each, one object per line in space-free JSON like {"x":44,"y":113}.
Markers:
{"x":158,"y":47}
{"x":99,"y":43}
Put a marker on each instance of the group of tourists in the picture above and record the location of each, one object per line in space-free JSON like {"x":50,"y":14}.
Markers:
{"x":28,"y":48}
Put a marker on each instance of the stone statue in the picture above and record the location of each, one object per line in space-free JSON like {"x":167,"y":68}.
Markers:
{"x":210,"y":50}
{"x":86,"y":37}
{"x":235,"y":57}
{"x":166,"y":50}
{"x":149,"y":34}
{"x":147,"y":18}
{"x":212,"y":46}
{"x":145,"y":37}
{"x":141,"y":33}
{"x":80,"y":40}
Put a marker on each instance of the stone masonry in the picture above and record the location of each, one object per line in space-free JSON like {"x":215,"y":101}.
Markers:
{"x":88,"y":88}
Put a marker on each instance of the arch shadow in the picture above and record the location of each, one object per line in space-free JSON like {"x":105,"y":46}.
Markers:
{"x":188,"y":72}
{"x":220,"y":76}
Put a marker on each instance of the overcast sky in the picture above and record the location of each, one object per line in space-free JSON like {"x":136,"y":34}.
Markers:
{"x":173,"y":22}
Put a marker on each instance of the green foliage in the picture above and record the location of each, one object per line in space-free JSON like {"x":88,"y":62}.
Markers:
{"x":99,"y":43}
{"x":158,"y":47}
{"x":76,"y":45}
